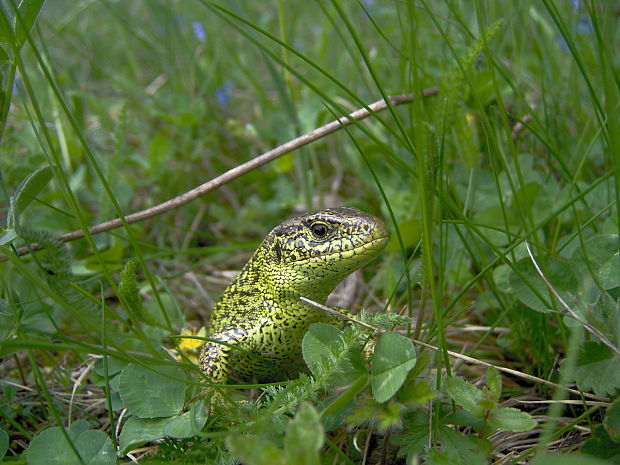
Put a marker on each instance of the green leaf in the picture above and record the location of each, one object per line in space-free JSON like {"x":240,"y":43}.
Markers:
{"x":602,"y":446}
{"x":154,"y":314}
{"x":597,"y":369}
{"x":347,"y":396}
{"x":458,"y":450}
{"x":612,"y":421}
{"x":466,"y":395}
{"x":147,"y":394}
{"x":567,"y":459}
{"x":494,"y":382}
{"x":188,"y":424}
{"x":4,"y":57}
{"x":317,"y":344}
{"x":532,"y":291}
{"x":600,"y":261}
{"x":419,"y":392}
{"x":604,"y":315}
{"x":6,"y":32}
{"x":389,"y":415}
{"x":28,"y":11}
{"x":9,"y":235}
{"x":50,"y":447}
{"x":393,"y":357}
{"x":115,"y":366}
{"x":511,"y":419}
{"x":412,"y":440}
{"x":304,"y":437}
{"x":302,"y":444}
{"x":4,"y":443}
{"x":27,"y":190}
{"x":137,"y":431}
{"x":252,"y":450}
{"x":462,"y":417}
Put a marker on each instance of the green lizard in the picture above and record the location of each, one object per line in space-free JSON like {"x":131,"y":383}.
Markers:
{"x":260,"y":312}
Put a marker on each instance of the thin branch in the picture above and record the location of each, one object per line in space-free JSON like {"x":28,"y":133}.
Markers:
{"x":239,"y":170}
{"x":466,"y":358}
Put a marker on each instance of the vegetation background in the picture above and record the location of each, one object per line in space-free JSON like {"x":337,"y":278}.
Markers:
{"x":501,"y":190}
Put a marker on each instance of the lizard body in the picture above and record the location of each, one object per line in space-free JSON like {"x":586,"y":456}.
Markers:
{"x":260,"y":312}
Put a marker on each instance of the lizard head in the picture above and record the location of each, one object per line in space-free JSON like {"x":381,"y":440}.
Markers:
{"x":311,"y":254}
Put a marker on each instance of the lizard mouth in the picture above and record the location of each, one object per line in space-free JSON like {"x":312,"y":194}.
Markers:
{"x":365,"y":249}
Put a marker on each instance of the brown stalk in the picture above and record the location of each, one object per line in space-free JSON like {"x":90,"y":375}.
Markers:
{"x":237,"y":171}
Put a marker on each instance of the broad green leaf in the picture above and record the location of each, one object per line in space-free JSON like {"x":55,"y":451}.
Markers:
{"x":465,"y":394}
{"x":602,"y":446}
{"x":50,"y":447}
{"x":393,"y":357}
{"x":612,"y":421}
{"x":462,"y":417}
{"x":147,"y":394}
{"x":601,"y":260}
{"x":604,"y":314}
{"x":115,"y":366}
{"x":532,"y":290}
{"x":137,"y":431}
{"x":252,"y":450}
{"x":27,"y":190}
{"x":597,"y":369}
{"x":188,"y":424}
{"x":304,"y":437}
{"x":511,"y":419}
{"x":317,"y":343}
{"x":4,"y":443}
{"x":459,"y":450}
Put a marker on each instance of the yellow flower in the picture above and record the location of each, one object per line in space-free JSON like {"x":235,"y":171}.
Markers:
{"x":190,"y":344}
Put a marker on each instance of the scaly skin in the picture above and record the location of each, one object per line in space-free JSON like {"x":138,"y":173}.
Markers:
{"x":260,"y":312}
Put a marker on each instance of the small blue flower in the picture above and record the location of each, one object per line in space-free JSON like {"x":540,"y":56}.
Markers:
{"x":561,"y":41}
{"x":576,"y":4}
{"x":199,"y":31}
{"x":584,"y":26}
{"x":223,"y":93}
{"x":367,"y":7}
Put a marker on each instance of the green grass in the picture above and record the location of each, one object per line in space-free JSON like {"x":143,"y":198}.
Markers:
{"x":134,"y":103}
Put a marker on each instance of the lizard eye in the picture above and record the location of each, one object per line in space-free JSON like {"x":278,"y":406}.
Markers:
{"x":320,"y":230}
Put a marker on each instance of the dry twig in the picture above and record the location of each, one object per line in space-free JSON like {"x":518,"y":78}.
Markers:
{"x":239,"y":170}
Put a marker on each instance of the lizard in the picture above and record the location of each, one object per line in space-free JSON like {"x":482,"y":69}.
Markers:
{"x":258,"y":324}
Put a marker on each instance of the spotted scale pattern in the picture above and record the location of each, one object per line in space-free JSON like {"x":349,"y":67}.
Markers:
{"x":259,"y":322}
